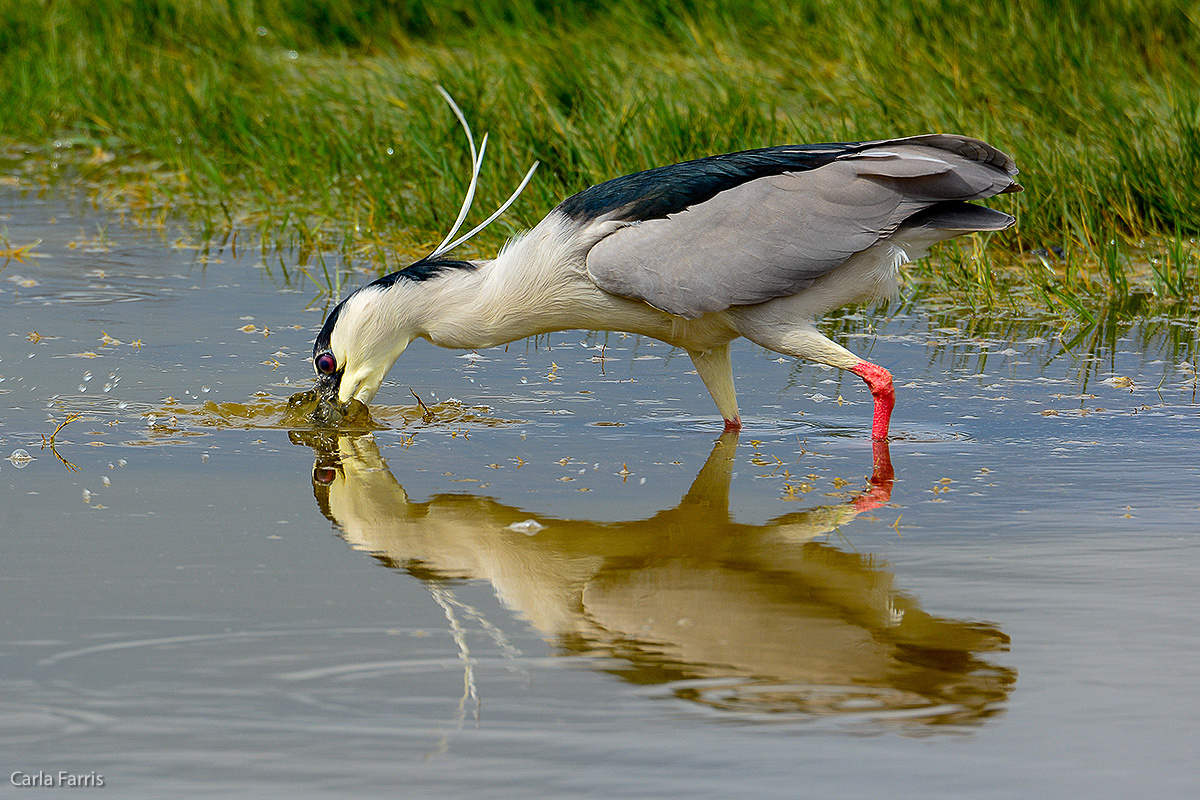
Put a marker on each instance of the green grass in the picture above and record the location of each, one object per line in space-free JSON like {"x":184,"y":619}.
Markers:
{"x":315,"y":124}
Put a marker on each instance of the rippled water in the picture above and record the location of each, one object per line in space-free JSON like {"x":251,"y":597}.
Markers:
{"x":556,"y":579}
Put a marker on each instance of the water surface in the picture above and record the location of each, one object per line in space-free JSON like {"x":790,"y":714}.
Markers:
{"x":561,"y":581}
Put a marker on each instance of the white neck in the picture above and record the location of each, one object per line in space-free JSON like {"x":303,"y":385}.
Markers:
{"x":537,"y":284}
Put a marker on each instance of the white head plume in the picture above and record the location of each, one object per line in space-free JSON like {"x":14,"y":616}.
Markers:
{"x":476,"y":166}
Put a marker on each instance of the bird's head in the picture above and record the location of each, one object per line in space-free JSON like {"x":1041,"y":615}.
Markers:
{"x":368,"y":331}
{"x":359,"y":342}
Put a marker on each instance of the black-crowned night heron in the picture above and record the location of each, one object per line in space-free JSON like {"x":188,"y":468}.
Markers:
{"x":758,"y":244}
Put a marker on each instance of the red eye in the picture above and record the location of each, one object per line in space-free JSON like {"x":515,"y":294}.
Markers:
{"x":326,"y":364}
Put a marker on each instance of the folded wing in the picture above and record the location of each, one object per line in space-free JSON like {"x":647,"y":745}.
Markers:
{"x":749,"y":235}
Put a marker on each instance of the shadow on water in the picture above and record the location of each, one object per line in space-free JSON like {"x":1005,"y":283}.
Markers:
{"x":752,"y":619}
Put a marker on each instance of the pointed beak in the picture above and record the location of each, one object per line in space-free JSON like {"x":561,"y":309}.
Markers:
{"x":328,"y":386}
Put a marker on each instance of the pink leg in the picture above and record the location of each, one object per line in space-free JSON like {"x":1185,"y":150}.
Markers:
{"x":879,"y":381}
{"x":734,"y":424}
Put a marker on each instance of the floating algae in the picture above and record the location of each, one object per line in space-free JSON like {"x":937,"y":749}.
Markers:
{"x":302,"y":410}
{"x":310,"y":408}
{"x":307,"y":410}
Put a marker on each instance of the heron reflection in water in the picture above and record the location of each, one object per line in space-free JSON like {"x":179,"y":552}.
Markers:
{"x":751,"y":618}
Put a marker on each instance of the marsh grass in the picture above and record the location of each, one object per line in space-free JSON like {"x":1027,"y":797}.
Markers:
{"x":313,"y":126}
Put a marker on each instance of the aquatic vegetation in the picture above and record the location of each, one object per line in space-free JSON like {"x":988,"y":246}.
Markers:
{"x":51,"y":442}
{"x":10,"y":252}
{"x":314,"y":127}
{"x":306,"y":410}
{"x":310,"y":408}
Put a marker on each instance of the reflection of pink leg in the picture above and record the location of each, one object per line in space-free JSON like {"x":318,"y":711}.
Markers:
{"x":882,"y":474}
{"x":879,"y":381}
{"x":882,"y":479}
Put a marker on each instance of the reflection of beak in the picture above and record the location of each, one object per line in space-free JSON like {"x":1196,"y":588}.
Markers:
{"x":325,"y":472}
{"x":326,"y":467}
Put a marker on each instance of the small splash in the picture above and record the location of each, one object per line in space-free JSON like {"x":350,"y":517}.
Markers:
{"x":306,"y":410}
{"x":20,"y":458}
{"x":914,"y":436}
{"x":310,"y":408}
{"x":752,"y":425}
{"x":303,"y":410}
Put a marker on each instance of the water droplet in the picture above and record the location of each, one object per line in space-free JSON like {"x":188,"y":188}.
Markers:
{"x":108,"y":388}
{"x":293,"y":55}
{"x":87,"y":496}
{"x":87,"y":376}
{"x":105,"y":480}
{"x":82,"y":388}
{"x":391,"y":152}
{"x":205,"y":389}
{"x":121,"y":462}
{"x":529,"y":527}
{"x":261,"y":31}
{"x":20,"y":458}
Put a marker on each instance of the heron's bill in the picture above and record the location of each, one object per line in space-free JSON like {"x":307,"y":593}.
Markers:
{"x":310,"y":407}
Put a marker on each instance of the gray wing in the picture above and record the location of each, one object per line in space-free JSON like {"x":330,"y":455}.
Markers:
{"x":772,"y":236}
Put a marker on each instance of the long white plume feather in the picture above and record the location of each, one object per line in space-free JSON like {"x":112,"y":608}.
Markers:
{"x":469,"y":199}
